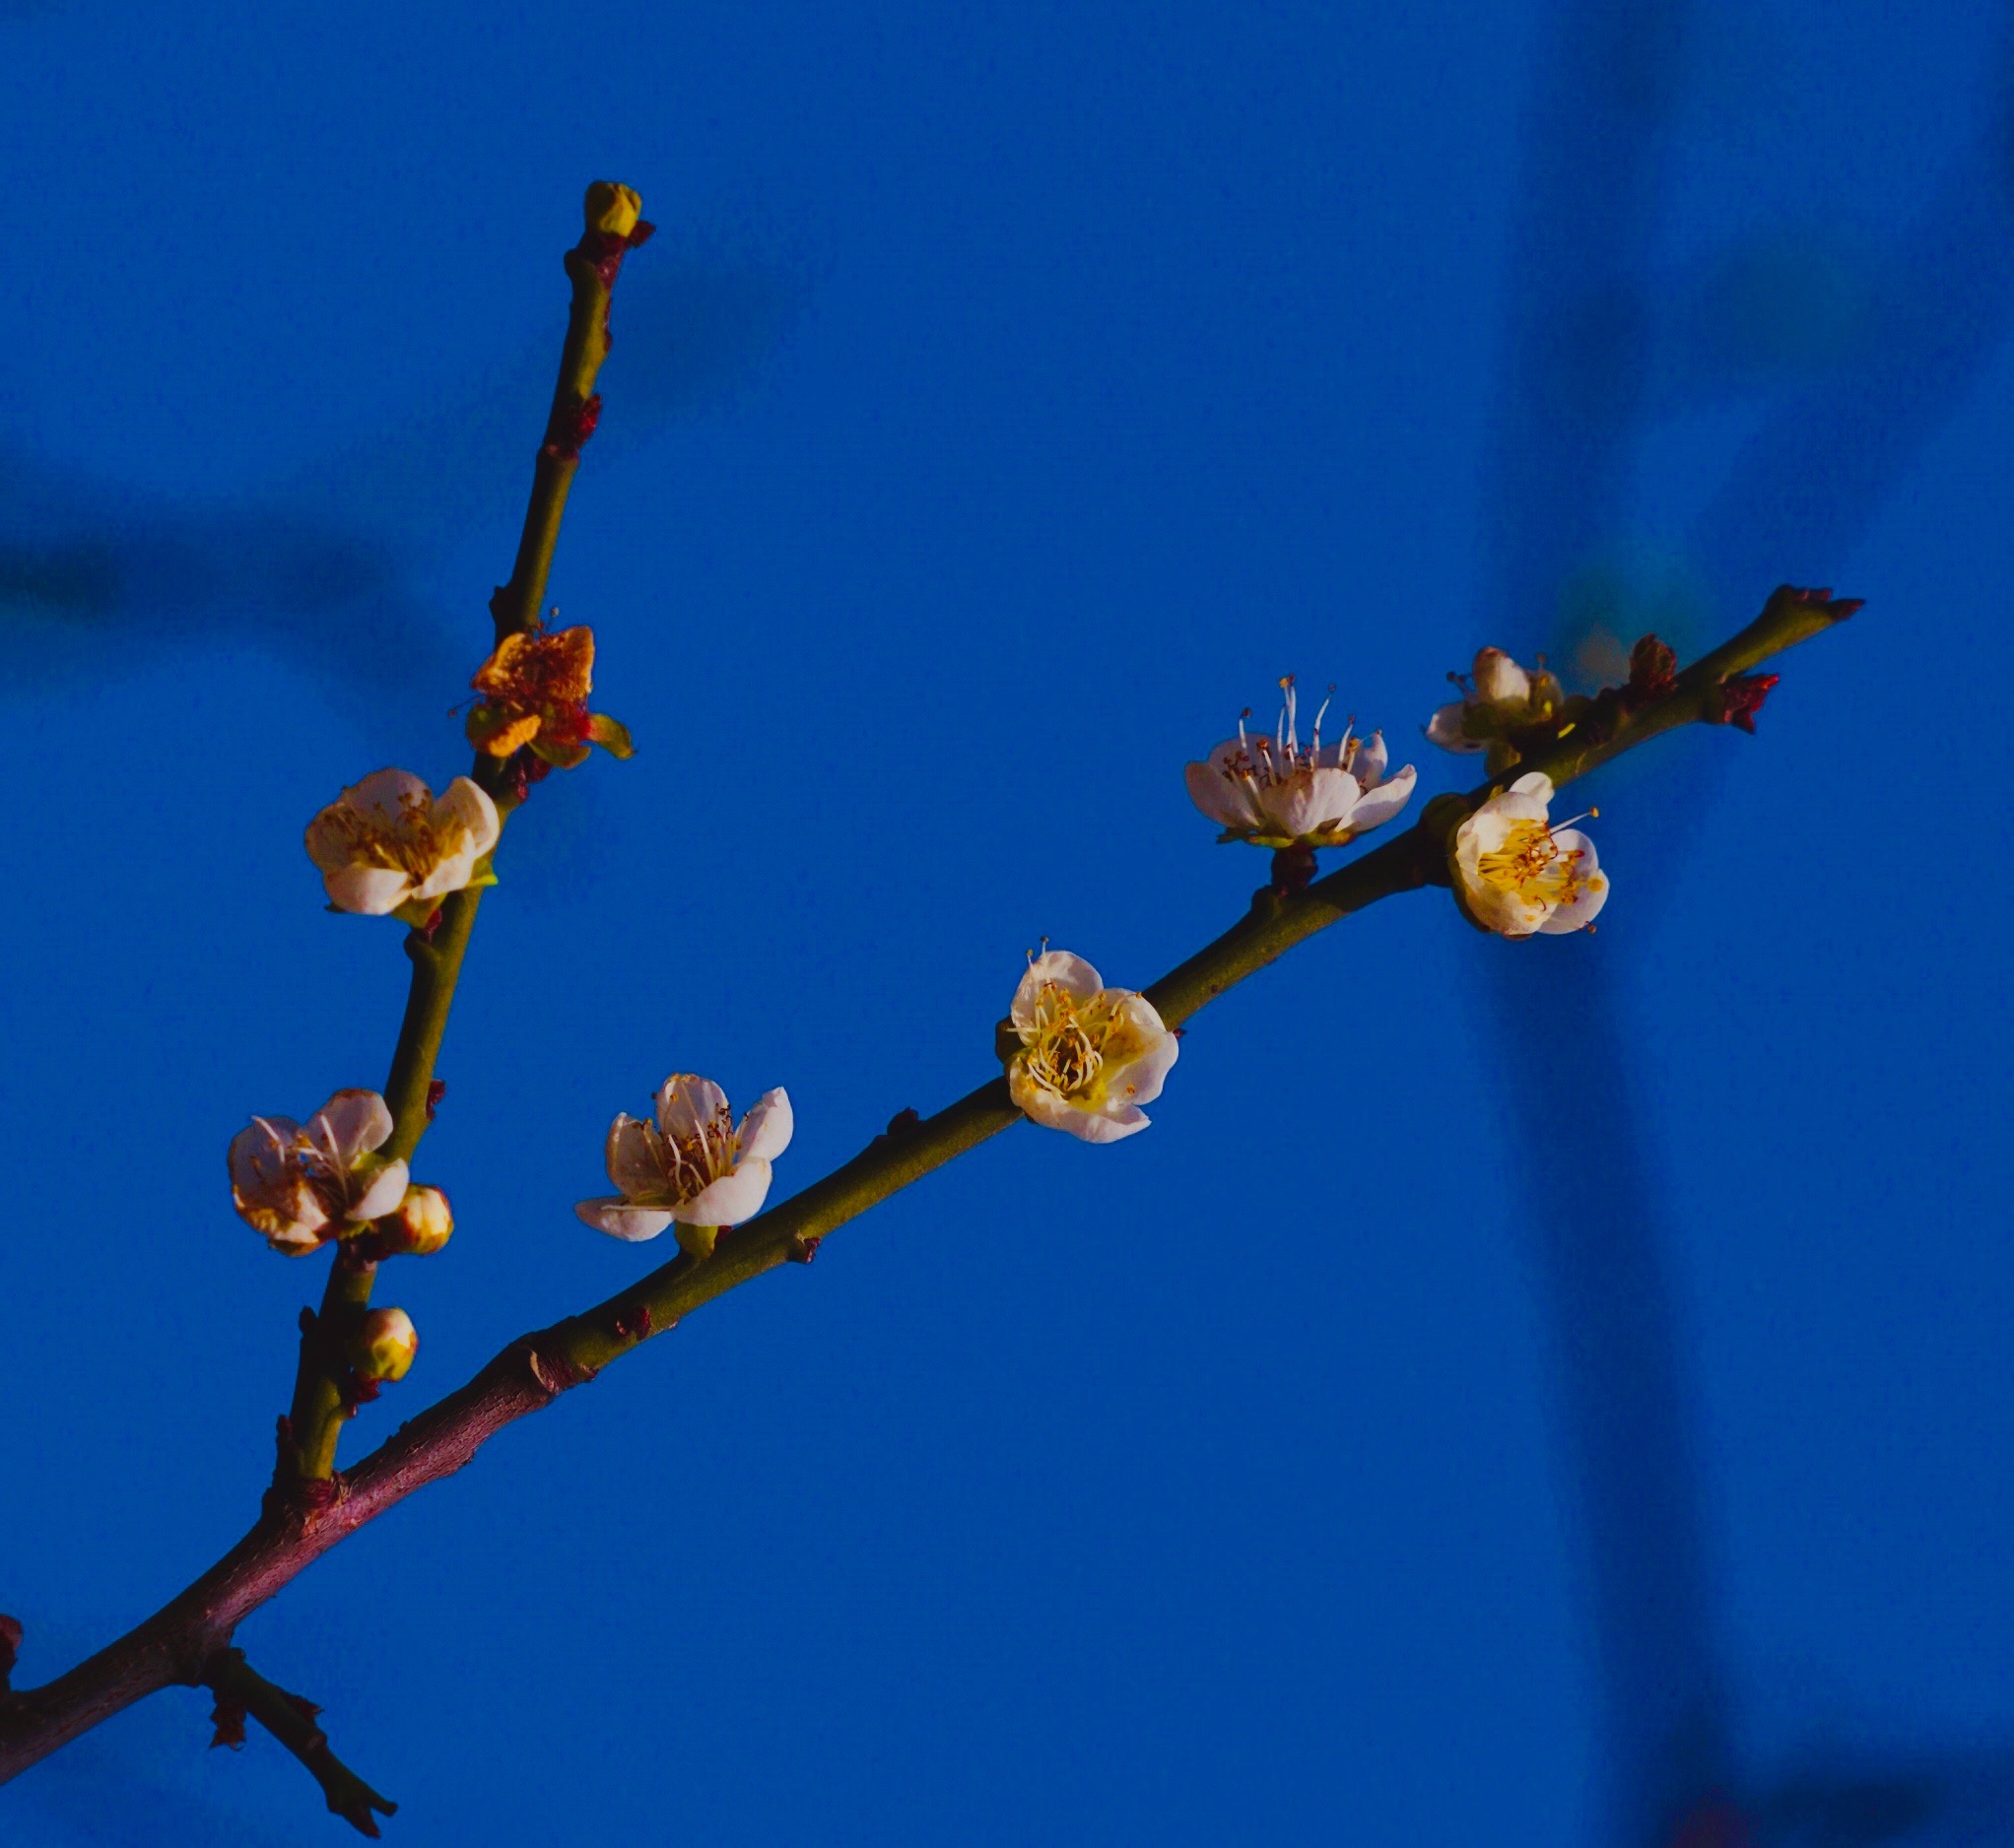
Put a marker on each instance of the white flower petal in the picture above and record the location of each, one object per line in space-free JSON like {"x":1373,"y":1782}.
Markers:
{"x":465,"y":805}
{"x":1580,"y":910}
{"x":261,"y":1153}
{"x":384,"y":795}
{"x":1310,"y":803}
{"x":1590,"y":886}
{"x":1369,"y":761}
{"x":1141,"y":1081}
{"x":1071,"y":974}
{"x":1224,"y":797}
{"x":1445,"y":728}
{"x":1499,"y":680}
{"x":618,"y":1220}
{"x":1572,"y":840}
{"x":766,"y":1130}
{"x":635,"y":1158}
{"x":1115,"y":1126}
{"x":732,"y":1200}
{"x":688,"y":1103}
{"x":367,"y":890}
{"x":1536,"y":784}
{"x":1382,"y":803}
{"x":451,"y":872}
{"x":352,"y":1123}
{"x":383,"y":1195}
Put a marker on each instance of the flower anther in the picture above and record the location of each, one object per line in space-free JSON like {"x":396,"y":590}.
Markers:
{"x":390,"y":846}
{"x":1273,"y":793}
{"x":534,"y":692}
{"x":1090,"y":1055}
{"x":1515,"y":874}
{"x":304,"y":1184}
{"x":693,"y":1164}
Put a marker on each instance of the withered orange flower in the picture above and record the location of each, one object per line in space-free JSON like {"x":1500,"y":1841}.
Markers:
{"x":534,"y":693}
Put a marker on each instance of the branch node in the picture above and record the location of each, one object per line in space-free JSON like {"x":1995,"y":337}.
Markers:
{"x":631,"y":1324}
{"x":555,"y":1373}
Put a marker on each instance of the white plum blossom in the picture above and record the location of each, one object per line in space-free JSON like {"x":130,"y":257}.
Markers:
{"x":693,"y":1164}
{"x":390,"y":843}
{"x":1498,"y":697}
{"x":1090,"y":1055}
{"x":302,"y":1185}
{"x":1271,"y":792}
{"x":1515,"y":873}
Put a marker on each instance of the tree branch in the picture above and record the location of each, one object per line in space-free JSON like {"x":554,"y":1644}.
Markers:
{"x":313,"y":1426}
{"x":178,"y":1640}
{"x":241,"y":1691}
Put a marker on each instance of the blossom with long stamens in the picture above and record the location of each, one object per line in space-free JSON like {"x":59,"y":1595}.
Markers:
{"x":1498,"y":698}
{"x":391,"y":846}
{"x":1515,"y":874}
{"x":1090,"y":1055}
{"x":1271,"y":792}
{"x":534,"y":692}
{"x":304,"y":1184}
{"x":693,"y":1164}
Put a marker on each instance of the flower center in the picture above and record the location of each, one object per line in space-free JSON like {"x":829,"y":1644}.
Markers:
{"x":1534,"y":865}
{"x":1068,"y":1046}
{"x":692,"y":1162}
{"x":1270,"y":762}
{"x":412,"y":844}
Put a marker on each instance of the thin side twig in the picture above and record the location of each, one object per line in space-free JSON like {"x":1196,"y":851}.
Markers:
{"x":241,"y":1691}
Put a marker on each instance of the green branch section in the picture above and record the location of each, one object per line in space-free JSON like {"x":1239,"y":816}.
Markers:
{"x":319,"y":1410}
{"x":580,"y":1347}
{"x":613,"y":226}
{"x":241,"y":1691}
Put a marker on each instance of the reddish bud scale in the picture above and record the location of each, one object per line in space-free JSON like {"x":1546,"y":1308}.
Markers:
{"x":437,"y":1088}
{"x":1653,"y":669}
{"x":10,"y":1646}
{"x":571,"y":427}
{"x":228,"y":1717}
{"x":632,"y":1324}
{"x":1741,"y":698}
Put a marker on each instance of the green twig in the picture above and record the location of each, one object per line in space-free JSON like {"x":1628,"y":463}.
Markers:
{"x":612,"y":228}
{"x":314,"y":1422}
{"x":1276,"y":922}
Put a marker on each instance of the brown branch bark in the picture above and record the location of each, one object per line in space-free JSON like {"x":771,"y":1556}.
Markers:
{"x":242,"y":1691}
{"x":179,"y":1640}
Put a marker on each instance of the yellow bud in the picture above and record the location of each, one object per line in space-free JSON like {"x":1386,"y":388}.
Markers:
{"x":383,"y":1347}
{"x":612,"y":208}
{"x":420,"y":1225}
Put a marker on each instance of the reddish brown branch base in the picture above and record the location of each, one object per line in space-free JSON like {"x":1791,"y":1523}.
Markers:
{"x":182,"y":1640}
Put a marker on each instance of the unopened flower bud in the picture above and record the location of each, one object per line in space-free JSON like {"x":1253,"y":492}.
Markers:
{"x":612,"y":208}
{"x":383,"y":1347}
{"x":420,"y":1225}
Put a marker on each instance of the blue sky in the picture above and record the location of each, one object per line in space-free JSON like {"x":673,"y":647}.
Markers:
{"x":1008,"y":399}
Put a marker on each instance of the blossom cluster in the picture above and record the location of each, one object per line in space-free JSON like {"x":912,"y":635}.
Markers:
{"x":1080,"y":1057}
